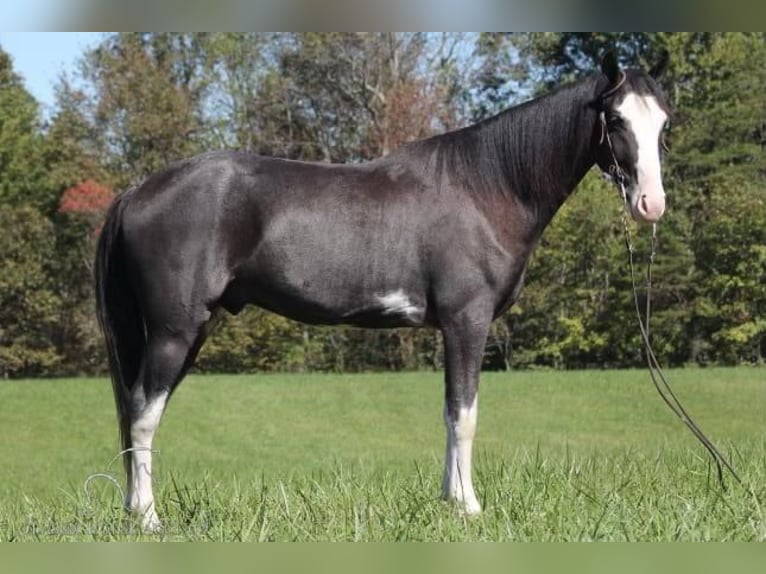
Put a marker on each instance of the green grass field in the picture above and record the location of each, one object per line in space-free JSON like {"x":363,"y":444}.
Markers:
{"x":588,"y":455}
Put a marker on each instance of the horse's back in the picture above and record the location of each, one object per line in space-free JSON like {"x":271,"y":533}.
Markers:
{"x":320,"y":242}
{"x":369,"y":244}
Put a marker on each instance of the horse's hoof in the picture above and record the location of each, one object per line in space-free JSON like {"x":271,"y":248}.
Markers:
{"x":470,"y":508}
{"x":467,"y":508}
{"x":150,"y":523}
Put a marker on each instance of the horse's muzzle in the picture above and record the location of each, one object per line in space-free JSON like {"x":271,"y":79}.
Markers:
{"x":648,"y":208}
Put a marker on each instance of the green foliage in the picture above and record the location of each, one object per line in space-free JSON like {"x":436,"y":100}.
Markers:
{"x":21,"y":171}
{"x":348,"y":349}
{"x":77,"y":336}
{"x":147,"y":98}
{"x":731,"y":250}
{"x":73,"y":145}
{"x":717,"y":173}
{"x":256,"y":340}
{"x":29,"y":305}
{"x":139,"y":101}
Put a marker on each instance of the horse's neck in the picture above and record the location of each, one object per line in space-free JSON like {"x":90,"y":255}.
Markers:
{"x":554,"y":150}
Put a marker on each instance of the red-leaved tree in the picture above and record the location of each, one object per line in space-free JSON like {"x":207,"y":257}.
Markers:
{"x":88,"y":198}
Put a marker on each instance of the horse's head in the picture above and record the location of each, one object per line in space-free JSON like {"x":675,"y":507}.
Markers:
{"x":633,"y":112}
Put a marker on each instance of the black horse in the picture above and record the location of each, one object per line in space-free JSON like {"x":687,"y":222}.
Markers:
{"x":437,"y":234}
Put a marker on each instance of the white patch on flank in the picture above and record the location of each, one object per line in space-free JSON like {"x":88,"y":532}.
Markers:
{"x":458,"y":482}
{"x":140,"y":498}
{"x":645,"y":120}
{"x":397,"y":303}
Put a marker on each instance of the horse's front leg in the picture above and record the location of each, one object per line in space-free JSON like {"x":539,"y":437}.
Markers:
{"x":465,"y":335}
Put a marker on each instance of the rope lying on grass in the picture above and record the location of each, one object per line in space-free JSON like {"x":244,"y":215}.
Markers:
{"x":664,"y":389}
{"x":110,"y":477}
{"x":617,"y":175}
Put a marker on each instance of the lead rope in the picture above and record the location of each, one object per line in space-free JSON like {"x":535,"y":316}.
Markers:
{"x":664,"y":389}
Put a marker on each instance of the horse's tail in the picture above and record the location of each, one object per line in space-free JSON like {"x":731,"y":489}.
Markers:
{"x":119,"y":316}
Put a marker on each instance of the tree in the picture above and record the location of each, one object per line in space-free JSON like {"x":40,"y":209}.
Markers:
{"x":73,"y":147}
{"x":21,"y":170}
{"x":146,"y":105}
{"x":360,"y":96}
{"x":718,"y":172}
{"x":239,"y":68}
{"x":29,"y":307}
{"x":77,"y":224}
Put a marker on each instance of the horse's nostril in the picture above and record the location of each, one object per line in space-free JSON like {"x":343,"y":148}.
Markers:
{"x":650,"y":208}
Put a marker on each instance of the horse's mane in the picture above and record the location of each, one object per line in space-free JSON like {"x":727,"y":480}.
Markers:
{"x":519,"y":151}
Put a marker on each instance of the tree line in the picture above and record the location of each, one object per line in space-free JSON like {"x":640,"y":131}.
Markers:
{"x":138,"y":101}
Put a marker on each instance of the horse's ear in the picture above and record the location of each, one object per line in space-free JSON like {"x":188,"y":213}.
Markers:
{"x":610,"y":67}
{"x":659,"y":69}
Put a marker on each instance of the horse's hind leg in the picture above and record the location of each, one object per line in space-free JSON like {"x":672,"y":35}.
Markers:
{"x":167,"y":357}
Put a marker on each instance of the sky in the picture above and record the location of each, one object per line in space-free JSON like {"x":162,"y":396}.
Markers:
{"x":41,"y":57}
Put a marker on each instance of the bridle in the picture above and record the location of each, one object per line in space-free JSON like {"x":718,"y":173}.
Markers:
{"x":614,"y":170}
{"x":617,"y":175}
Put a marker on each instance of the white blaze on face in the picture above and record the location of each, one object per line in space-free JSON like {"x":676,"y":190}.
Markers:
{"x":645,"y":118}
